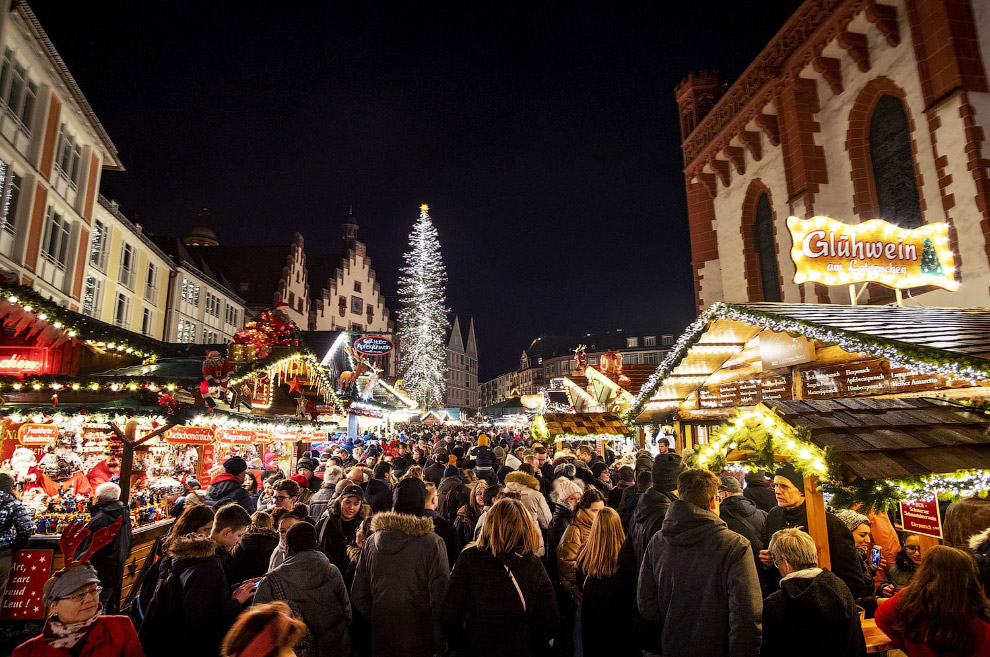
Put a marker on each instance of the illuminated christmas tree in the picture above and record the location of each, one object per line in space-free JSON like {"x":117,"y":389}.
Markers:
{"x":930,"y":263}
{"x":423,"y":315}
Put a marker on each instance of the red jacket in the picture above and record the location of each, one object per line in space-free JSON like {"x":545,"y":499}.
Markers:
{"x":111,"y":636}
{"x":886,"y":615}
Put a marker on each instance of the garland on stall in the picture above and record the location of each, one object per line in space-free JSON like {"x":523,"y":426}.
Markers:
{"x":269,"y":330}
{"x":79,"y":327}
{"x":278,"y":366}
{"x":925,"y":360}
{"x":764,"y":435}
{"x":58,"y":383}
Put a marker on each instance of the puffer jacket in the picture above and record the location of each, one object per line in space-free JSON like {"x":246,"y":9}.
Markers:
{"x":528,"y":488}
{"x":647,"y":519}
{"x":314,"y":589}
{"x":399,"y":585}
{"x":227,"y":488}
{"x":570,"y":544}
{"x":16,"y":525}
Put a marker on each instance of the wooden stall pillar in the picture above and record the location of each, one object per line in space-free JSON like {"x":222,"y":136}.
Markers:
{"x":927,"y":543}
{"x":814,"y":503}
{"x":127,"y":460}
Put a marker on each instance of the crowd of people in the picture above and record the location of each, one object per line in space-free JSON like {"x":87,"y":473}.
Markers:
{"x":458,"y":541}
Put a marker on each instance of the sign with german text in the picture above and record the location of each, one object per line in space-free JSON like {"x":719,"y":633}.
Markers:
{"x":781,"y":350}
{"x":28,"y":572}
{"x":869,"y":377}
{"x":37,"y":434}
{"x":236,"y":436}
{"x":183,"y":435}
{"x":313,"y":436}
{"x":830,"y":252}
{"x":922,"y":517}
{"x":22,"y":361}
{"x":747,"y":392}
{"x":285,"y":434}
{"x":373,"y":345}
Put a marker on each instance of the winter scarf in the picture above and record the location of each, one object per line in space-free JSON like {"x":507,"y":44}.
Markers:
{"x":66,"y":636}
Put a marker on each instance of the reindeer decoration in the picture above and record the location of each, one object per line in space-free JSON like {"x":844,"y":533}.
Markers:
{"x":76,"y":534}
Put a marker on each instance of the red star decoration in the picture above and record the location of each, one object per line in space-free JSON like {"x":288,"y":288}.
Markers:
{"x":295,"y":385}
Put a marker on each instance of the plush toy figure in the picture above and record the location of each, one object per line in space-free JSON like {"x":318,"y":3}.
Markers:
{"x":216,"y":374}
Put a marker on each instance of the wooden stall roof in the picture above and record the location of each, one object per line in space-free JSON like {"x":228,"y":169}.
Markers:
{"x":958,"y":330}
{"x":886,"y":438}
{"x":637,"y":376}
{"x":584,"y":424}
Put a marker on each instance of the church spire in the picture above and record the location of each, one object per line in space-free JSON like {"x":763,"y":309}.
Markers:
{"x":349,"y":228}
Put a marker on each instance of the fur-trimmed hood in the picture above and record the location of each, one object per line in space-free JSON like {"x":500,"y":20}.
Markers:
{"x":191,"y":546}
{"x":523,"y":479}
{"x":402,"y":522}
{"x":977,"y":540}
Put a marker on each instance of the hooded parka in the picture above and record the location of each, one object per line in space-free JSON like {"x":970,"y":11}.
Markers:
{"x":528,"y":488}
{"x":399,"y":585}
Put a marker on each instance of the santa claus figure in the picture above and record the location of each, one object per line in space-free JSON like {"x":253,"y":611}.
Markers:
{"x":216,"y":375}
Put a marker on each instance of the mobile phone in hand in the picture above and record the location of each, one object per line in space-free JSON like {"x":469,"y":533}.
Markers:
{"x":876,"y":556}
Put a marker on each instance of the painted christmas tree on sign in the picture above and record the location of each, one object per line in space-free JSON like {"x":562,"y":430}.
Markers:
{"x":930,"y":263}
{"x":422,"y":315}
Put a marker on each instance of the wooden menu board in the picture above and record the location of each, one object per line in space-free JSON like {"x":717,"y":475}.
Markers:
{"x":868,"y":377}
{"x":748,"y":392}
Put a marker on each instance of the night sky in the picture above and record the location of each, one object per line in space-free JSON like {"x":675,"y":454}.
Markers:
{"x":544,"y":136}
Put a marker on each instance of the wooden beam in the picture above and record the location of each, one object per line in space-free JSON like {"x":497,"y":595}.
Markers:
{"x":126,"y":459}
{"x":814,"y":503}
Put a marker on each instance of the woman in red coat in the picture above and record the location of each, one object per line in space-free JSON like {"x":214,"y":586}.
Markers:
{"x":943,"y":611}
{"x":75,"y":626}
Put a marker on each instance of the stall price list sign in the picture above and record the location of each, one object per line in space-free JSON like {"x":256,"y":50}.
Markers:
{"x":869,"y":377}
{"x":745,"y":393}
{"x":922,"y":517}
{"x":29,"y":571}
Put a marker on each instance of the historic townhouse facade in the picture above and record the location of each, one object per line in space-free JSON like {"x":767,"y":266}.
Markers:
{"x":857,"y":109}
{"x":52,"y":154}
{"x":462,"y":369}
{"x":127,"y":276}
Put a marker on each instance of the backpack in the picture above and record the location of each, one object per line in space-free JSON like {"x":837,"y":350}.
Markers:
{"x":158,"y":625}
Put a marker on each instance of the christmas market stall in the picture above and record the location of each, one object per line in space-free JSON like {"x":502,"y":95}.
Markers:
{"x":600,"y":429}
{"x":738,"y":355}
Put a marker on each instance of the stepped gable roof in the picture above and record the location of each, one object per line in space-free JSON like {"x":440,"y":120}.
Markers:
{"x":883,"y":438}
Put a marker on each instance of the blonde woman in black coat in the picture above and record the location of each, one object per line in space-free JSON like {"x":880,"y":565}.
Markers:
{"x":499,"y":598}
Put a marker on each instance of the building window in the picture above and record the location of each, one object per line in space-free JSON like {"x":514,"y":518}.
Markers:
{"x":56,"y":242}
{"x":651,"y":358}
{"x":292,"y":299}
{"x":100,"y":245}
{"x":766,"y":250}
{"x":17,"y":92}
{"x":357,"y":286}
{"x":10,"y":184}
{"x":632,"y":342}
{"x":650,"y":341}
{"x":893,"y":164}
{"x":127,"y":266}
{"x":68,"y":155}
{"x":357,"y":305}
{"x":92,"y":296}
{"x":121,"y":310}
{"x":186,"y":331}
{"x":668,"y":340}
{"x":151,"y":283}
{"x":147,"y":321}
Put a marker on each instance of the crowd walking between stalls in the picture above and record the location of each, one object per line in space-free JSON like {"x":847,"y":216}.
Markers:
{"x":456,"y":541}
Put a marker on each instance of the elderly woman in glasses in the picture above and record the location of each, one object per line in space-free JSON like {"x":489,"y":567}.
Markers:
{"x":75,"y":626}
{"x":905,"y":564}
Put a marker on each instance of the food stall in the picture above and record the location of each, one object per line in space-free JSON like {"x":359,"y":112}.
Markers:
{"x":600,"y":429}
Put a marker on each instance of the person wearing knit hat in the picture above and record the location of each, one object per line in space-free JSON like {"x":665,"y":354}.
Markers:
{"x":627,"y":478}
{"x":307,"y":468}
{"x":601,"y":474}
{"x":228,"y":486}
{"x":409,"y":497}
{"x":791,"y":511}
{"x":652,"y":505}
{"x":451,"y":470}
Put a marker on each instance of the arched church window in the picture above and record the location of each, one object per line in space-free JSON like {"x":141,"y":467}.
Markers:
{"x":893,"y":164}
{"x":766,"y":251}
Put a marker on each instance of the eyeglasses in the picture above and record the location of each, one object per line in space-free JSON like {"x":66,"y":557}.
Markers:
{"x":79,"y":597}
{"x":912,"y":548}
{"x":282,"y":497}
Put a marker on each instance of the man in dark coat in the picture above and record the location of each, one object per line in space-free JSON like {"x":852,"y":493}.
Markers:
{"x":792,"y":512}
{"x":379,"y":491}
{"x":652,"y":506}
{"x":758,"y":490}
{"x":698,"y":581}
{"x":307,"y":468}
{"x":401,"y":578}
{"x":109,"y":560}
{"x":229,"y":486}
{"x":811,"y":602}
{"x":434,"y":472}
{"x":740,"y":514}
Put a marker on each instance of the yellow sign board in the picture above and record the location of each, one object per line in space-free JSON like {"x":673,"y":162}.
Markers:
{"x":830,"y":252}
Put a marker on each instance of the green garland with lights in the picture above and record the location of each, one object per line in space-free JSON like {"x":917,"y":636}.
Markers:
{"x":263,"y":366}
{"x":925,"y":360}
{"x":63,"y":383}
{"x":81,"y":327}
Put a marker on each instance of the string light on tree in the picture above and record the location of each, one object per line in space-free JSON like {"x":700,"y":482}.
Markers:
{"x":423,"y":314}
